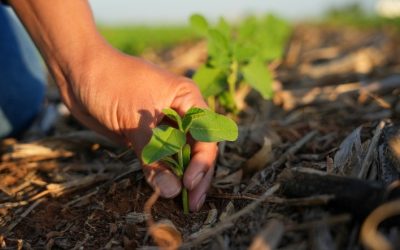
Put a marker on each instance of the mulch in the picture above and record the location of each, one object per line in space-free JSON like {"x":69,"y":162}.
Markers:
{"x":317,"y":167}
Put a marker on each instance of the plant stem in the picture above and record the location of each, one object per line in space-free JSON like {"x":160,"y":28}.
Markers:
{"x":180,"y":159}
{"x":232,"y":79}
{"x":211,"y":102}
{"x":185,"y":200}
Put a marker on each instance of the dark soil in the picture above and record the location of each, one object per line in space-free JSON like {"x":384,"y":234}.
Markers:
{"x":325,"y":89}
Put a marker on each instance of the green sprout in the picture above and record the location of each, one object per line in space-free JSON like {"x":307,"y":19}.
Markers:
{"x":238,"y":56}
{"x":169,"y":144}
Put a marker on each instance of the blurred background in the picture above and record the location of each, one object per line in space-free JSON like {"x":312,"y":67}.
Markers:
{"x":313,"y":85}
{"x":138,"y":26}
{"x":178,"y":11}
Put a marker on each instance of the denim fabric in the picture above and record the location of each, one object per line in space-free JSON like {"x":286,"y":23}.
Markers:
{"x":22,"y":78}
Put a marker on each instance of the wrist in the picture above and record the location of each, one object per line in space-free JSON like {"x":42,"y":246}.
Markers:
{"x":64,"y":32}
{"x":71,"y":61}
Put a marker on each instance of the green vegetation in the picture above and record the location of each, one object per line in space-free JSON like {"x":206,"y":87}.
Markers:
{"x":136,"y":39}
{"x":238,"y":55}
{"x":356,"y":16}
{"x":168,"y":144}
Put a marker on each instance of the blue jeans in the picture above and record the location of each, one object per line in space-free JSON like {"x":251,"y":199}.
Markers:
{"x":22,"y":76}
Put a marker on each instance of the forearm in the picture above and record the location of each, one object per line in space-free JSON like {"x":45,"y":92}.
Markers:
{"x":63,"y":30}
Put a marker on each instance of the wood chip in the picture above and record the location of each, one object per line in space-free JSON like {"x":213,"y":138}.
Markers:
{"x":135,"y":218}
{"x":269,"y":237}
{"x":261,"y":158}
{"x":372,"y":150}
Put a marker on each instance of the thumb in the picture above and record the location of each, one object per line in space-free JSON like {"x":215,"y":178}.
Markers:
{"x":158,"y":176}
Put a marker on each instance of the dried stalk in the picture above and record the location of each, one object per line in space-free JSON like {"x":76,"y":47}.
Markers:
{"x":228,"y":222}
{"x":370,"y":237}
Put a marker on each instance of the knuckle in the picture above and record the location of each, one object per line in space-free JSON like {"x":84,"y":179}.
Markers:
{"x":190,"y":87}
{"x":193,"y":91}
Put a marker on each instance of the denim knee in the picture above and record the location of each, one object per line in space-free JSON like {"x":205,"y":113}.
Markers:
{"x":22,"y":78}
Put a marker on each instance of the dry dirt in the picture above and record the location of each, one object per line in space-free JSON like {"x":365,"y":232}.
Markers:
{"x":310,"y":170}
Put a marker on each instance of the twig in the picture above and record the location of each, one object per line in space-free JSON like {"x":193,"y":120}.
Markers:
{"x":315,"y":200}
{"x":22,"y":216}
{"x":87,"y":137}
{"x":13,"y":204}
{"x":73,"y":202}
{"x":269,"y":237}
{"x":228,"y":222}
{"x":348,"y":192}
{"x":134,"y":167}
{"x":383,"y":85}
{"x":149,"y":204}
{"x":338,"y":219}
{"x":61,"y":189}
{"x":293,"y":149}
{"x":275,"y":165}
{"x":371,"y":151}
{"x":36,"y":152}
{"x":290,"y":99}
{"x":70,"y":186}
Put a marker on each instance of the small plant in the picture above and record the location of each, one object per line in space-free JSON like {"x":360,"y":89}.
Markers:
{"x":238,"y":56}
{"x":169,"y":144}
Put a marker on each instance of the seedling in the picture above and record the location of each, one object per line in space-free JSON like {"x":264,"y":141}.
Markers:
{"x":238,"y":56}
{"x":169,"y":144}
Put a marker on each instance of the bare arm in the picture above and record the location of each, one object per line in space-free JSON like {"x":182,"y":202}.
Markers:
{"x":63,"y":31}
{"x":114,"y":94}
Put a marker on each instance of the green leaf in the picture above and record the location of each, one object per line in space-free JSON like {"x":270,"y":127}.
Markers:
{"x":243,"y":53}
{"x":199,"y":23}
{"x":247,"y":28}
{"x":259,"y":77}
{"x":268,"y":36}
{"x":221,"y":61}
{"x":208,"y":126}
{"x":218,"y":41}
{"x":171,"y":162}
{"x":173,"y":115}
{"x":173,"y":165}
{"x":188,"y":118}
{"x":210,"y":81}
{"x":186,"y":155}
{"x":223,"y":27}
{"x":218,"y":49}
{"x":165,"y":141}
{"x":273,"y":38}
{"x":226,"y":100}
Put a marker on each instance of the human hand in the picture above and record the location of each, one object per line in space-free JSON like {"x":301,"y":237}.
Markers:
{"x":122,"y":97}
{"x":114,"y":94}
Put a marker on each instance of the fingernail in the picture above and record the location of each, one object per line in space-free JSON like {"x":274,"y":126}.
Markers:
{"x":196,"y":180}
{"x":167,"y":184}
{"x":200,"y":202}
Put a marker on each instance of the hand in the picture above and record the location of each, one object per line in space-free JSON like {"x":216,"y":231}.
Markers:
{"x":114,"y":94}
{"x":122,"y":97}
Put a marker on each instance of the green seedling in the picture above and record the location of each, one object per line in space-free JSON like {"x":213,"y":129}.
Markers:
{"x":169,"y":144}
{"x":238,"y":56}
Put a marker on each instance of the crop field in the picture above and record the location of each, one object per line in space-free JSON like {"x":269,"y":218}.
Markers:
{"x":307,"y":116}
{"x":135,"y":40}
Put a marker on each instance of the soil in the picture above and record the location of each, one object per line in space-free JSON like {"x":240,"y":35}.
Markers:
{"x":332,"y":132}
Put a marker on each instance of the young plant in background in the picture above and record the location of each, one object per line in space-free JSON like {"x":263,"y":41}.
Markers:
{"x":238,"y":56}
{"x":169,"y":144}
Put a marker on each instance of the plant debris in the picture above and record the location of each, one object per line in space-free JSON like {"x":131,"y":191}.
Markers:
{"x":316,"y":167}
